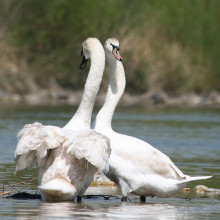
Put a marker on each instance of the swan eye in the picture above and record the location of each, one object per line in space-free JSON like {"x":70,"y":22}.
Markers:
{"x":115,"y":47}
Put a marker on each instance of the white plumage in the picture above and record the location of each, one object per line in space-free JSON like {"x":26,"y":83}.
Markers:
{"x":68,"y":157}
{"x":34,"y":141}
{"x":93,"y":147}
{"x":67,"y":162}
{"x":135,"y":165}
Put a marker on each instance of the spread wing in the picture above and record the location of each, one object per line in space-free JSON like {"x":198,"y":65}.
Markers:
{"x":34,"y":141}
{"x":90,"y":145}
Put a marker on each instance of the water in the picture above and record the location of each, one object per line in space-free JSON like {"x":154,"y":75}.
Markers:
{"x":189,"y":136}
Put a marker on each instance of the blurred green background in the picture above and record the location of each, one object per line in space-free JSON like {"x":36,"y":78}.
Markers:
{"x":167,"y":45}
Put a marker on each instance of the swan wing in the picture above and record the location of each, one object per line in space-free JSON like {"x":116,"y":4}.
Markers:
{"x":144,"y":158}
{"x":34,"y":141}
{"x":90,"y":145}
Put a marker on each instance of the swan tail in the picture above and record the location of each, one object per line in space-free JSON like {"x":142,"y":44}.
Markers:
{"x":185,"y":178}
{"x":92,"y":146}
{"x":194,"y":178}
{"x":34,"y":141}
{"x":58,"y":189}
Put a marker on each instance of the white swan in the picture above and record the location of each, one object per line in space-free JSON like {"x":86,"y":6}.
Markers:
{"x":135,"y":165}
{"x":68,"y":157}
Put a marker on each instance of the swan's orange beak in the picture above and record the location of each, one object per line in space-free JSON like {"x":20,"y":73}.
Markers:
{"x":116,"y":53}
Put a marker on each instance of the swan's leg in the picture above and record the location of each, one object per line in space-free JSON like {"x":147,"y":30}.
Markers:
{"x":79,"y":198}
{"x":124,"y":199}
{"x":142,"y":198}
{"x":124,"y":189}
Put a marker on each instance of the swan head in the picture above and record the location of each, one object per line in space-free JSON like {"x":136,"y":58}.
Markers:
{"x":112,"y":47}
{"x":89,"y":45}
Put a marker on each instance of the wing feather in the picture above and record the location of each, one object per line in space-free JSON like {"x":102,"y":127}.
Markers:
{"x":90,"y":145}
{"x":34,"y":141}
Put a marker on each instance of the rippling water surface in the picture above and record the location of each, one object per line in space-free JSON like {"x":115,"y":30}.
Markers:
{"x":189,"y":136}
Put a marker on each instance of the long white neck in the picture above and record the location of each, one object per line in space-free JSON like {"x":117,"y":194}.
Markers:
{"x":82,"y":118}
{"x":116,"y":89}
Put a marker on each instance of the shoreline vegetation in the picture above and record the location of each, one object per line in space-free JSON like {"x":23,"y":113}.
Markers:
{"x":170,"y":50}
{"x":67,"y":97}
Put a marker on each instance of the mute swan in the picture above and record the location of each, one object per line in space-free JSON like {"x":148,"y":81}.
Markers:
{"x":134,"y":165}
{"x":68,"y":157}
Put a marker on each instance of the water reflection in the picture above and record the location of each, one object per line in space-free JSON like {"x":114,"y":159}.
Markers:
{"x":143,"y":211}
{"x":60,"y":210}
{"x":99,"y":209}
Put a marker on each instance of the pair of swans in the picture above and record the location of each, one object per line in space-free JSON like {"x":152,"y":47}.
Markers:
{"x":68,"y":157}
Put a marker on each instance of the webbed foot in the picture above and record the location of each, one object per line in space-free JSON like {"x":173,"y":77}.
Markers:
{"x":125,"y":199}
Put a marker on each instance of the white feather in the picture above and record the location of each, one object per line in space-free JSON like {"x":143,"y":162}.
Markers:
{"x":34,"y":141}
{"x":91,"y":146}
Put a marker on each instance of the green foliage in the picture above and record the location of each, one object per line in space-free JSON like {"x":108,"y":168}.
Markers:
{"x":13,"y":84}
{"x":49,"y":34}
{"x":196,"y":25}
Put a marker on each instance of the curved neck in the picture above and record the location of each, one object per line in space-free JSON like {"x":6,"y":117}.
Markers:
{"x":115,"y":91}
{"x":82,"y":118}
